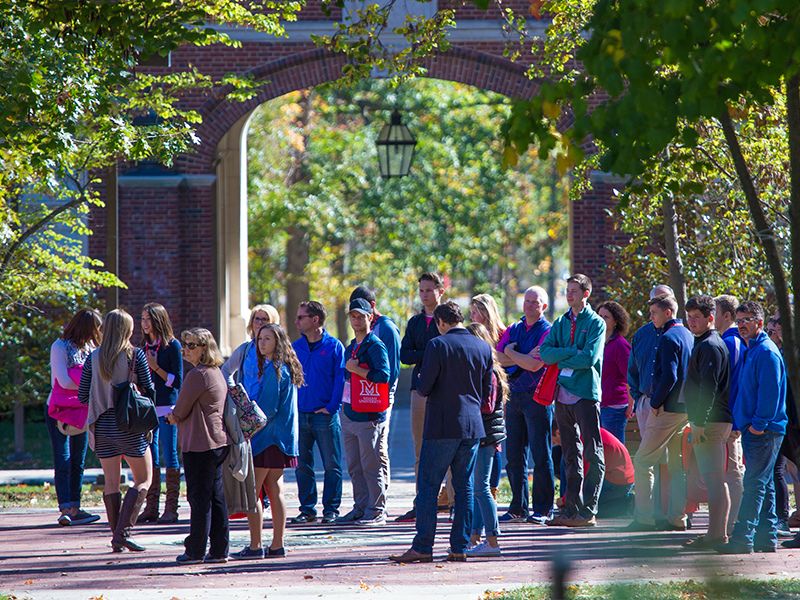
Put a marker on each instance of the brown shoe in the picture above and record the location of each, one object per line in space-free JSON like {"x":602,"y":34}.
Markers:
{"x":559,"y":521}
{"x":411,"y":556}
{"x":578,"y":521}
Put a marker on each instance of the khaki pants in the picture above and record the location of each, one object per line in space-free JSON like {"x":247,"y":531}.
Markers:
{"x":734,"y":476}
{"x":662,"y":433}
{"x":711,"y":457}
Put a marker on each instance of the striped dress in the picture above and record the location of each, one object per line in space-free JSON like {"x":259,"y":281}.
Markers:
{"x":109,"y":441}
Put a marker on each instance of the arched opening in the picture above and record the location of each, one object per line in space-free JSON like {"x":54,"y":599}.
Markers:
{"x":523,"y":254}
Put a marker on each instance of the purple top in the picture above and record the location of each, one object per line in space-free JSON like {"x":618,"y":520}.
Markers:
{"x":615,"y":372}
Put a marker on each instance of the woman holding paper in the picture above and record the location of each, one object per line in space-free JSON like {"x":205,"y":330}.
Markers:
{"x":163,"y":353}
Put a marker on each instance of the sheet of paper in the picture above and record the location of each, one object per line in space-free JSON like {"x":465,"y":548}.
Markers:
{"x":566,"y":372}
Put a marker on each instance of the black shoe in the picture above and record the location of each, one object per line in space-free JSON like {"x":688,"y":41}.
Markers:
{"x":185,"y":559}
{"x":793,"y":543}
{"x":409,"y":517}
{"x":456,"y":556}
{"x":735,"y":548}
{"x":277,"y":553}
{"x":304,"y":518}
{"x":765,"y":548}
{"x":215,"y":559}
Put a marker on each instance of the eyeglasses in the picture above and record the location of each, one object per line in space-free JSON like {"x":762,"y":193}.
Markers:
{"x":261,"y":319}
{"x":192,"y":345}
{"x":301,"y":317}
{"x":745,"y":320}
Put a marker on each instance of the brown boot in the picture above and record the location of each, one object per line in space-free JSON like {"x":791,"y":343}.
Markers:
{"x":173,"y":491}
{"x":131,"y":506}
{"x":112,"y":502}
{"x":150,"y":512}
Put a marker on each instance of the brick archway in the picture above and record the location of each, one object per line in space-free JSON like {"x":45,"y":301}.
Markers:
{"x":181,"y":233}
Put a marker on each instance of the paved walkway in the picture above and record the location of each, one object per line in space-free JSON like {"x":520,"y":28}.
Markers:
{"x":41,"y":560}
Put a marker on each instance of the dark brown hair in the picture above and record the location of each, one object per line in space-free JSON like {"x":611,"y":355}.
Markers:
{"x":449,"y":312}
{"x":83,"y":327}
{"x":159,"y":322}
{"x":437,"y":281}
{"x":620,"y":315}
{"x":314,"y":309}
{"x":582,"y":280}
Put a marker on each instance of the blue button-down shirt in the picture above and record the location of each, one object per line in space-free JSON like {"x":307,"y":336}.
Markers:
{"x":642,"y":361}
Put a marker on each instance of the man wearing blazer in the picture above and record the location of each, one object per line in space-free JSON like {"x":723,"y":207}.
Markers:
{"x":455,"y":376}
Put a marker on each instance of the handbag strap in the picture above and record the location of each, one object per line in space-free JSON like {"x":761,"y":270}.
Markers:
{"x":238,"y":377}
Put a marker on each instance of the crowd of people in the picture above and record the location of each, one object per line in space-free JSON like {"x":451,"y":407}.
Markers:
{"x":709,"y":397}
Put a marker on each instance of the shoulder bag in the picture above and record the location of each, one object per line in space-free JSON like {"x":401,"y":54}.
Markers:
{"x":135,"y":413}
{"x":251,"y":418}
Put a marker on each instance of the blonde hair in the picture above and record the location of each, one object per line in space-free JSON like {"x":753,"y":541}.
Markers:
{"x":272,"y":315}
{"x":487,"y":306}
{"x":117,"y":332}
{"x":481,"y":332}
{"x":284,"y":355}
{"x":210,"y":356}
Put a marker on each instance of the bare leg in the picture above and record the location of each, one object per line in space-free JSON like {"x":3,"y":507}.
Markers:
{"x":112,"y":468}
{"x":255,"y":521}
{"x":141,"y":469}
{"x":277,"y":506}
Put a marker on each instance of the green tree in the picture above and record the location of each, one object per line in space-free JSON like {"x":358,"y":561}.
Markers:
{"x":459,"y":212}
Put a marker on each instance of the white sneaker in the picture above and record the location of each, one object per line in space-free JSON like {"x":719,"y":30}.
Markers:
{"x":483,"y":549}
{"x":375,"y":522}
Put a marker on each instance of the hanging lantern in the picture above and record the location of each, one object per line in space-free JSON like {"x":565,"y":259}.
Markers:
{"x":395,"y":146}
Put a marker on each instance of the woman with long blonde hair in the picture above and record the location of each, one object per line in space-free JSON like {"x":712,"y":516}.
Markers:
{"x":275,"y":446}
{"x":483,"y":309}
{"x":106,"y":367}
{"x":484,"y":510}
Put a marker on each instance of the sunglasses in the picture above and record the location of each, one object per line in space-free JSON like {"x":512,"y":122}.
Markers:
{"x":192,"y":345}
{"x":744,"y":320}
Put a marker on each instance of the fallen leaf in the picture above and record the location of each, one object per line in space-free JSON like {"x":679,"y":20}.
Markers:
{"x":308,"y":577}
{"x":363,"y":585}
{"x":496,"y":578}
{"x":28,"y":582}
{"x":440,"y":566}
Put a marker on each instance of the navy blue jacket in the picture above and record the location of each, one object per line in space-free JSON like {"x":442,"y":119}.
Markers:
{"x":456,"y":375}
{"x":519,"y":379}
{"x":323,"y":370}
{"x":389,"y":334}
{"x":641,"y":363}
{"x":373,"y":353}
{"x":672,"y":365}
{"x":412,"y":348}
{"x":170,"y":359}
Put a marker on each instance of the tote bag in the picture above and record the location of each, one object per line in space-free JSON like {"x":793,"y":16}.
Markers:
{"x":134,"y":412}
{"x":65,"y":407}
{"x":367,"y":396}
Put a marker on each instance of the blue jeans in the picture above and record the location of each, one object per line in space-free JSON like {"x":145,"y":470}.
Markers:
{"x":614,"y":421}
{"x":494,"y":479}
{"x":69,"y":454}
{"x":529,"y":427}
{"x":165,"y":445}
{"x":484,"y":509}
{"x":435,"y":457}
{"x":757,"y":522}
{"x":326,"y":431}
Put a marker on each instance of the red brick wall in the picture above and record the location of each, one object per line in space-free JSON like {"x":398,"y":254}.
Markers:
{"x":167,"y":236}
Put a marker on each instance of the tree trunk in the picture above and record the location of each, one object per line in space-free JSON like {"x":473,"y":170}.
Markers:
{"x":791,"y":322}
{"x":297,"y":289}
{"x":766,"y":236}
{"x":677,"y":279}
{"x":298,"y":246}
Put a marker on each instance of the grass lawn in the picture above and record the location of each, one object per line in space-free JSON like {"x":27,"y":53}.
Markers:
{"x":42,"y":496}
{"x":733,"y":589}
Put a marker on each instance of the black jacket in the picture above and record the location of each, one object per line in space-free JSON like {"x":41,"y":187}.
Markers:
{"x":456,"y":375}
{"x":708,"y":381}
{"x":494,"y":422}
{"x":412,"y":348}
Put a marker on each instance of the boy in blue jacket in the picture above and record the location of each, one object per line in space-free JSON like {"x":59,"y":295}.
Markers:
{"x":760,"y":414}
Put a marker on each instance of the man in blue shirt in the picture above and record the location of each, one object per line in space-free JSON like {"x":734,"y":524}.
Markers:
{"x":528,"y":423}
{"x":319,"y":400}
{"x":760,"y":414}
{"x":366,"y":357}
{"x":389,"y":334}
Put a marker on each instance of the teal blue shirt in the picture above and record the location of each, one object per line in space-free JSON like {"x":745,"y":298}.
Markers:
{"x":581,"y":361}
{"x":278,"y":400}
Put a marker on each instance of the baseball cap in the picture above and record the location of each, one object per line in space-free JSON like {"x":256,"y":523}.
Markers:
{"x":360,"y":305}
